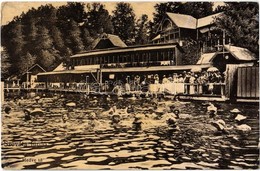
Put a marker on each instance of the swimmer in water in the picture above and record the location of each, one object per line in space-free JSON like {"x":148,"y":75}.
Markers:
{"x":27,"y":115}
{"x":137,"y":124}
{"x":65,"y":118}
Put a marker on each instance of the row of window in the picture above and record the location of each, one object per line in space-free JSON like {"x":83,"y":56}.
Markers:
{"x":161,"y":55}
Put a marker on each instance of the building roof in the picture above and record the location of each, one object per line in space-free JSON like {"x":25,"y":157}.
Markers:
{"x":205,"y":21}
{"x":35,"y":65}
{"x":183,"y":21}
{"x":240,"y":53}
{"x":65,"y":72}
{"x":114,"y":39}
{"x":127,"y":49}
{"x":157,"y":37}
{"x":60,"y":67}
{"x":206,"y":58}
{"x":187,"y":21}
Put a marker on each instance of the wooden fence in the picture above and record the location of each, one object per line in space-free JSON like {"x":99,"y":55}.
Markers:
{"x":232,"y":80}
{"x":248,"y":82}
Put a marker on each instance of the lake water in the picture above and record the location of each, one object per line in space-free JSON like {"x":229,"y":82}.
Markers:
{"x":87,"y":143}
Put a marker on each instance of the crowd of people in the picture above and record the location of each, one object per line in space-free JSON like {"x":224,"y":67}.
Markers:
{"x":185,"y":82}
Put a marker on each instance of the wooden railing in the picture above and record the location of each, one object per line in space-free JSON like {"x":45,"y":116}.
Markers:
{"x":120,"y":88}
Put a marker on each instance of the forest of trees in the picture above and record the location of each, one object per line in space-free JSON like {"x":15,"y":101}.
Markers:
{"x":48,"y":35}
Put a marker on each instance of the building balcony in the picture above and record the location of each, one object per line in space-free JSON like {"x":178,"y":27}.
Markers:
{"x":138,"y":64}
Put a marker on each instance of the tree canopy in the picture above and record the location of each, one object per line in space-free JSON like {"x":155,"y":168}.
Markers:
{"x":48,"y":35}
{"x":98,"y":20}
{"x":124,"y":22}
{"x":240,"y":21}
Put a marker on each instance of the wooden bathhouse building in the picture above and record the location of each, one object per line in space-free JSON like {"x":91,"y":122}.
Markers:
{"x":117,"y":63}
{"x":112,"y":60}
{"x":181,"y":27}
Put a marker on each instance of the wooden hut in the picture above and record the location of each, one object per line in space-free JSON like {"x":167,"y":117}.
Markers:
{"x":229,"y":55}
{"x":29,"y":78}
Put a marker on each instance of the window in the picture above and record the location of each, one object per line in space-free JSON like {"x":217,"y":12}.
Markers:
{"x":176,"y":35}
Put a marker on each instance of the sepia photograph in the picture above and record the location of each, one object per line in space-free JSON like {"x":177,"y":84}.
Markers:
{"x":130,"y":85}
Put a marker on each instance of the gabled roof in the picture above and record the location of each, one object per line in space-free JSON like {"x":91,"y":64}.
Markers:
{"x":206,"y":58}
{"x":240,"y":53}
{"x":60,"y":67}
{"x":187,"y":21}
{"x":157,"y":37}
{"x":183,"y":21}
{"x":37,"y":65}
{"x":205,"y":21}
{"x":114,"y":39}
{"x":13,"y":78}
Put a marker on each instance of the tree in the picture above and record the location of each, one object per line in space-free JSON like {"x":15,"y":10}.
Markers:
{"x":66,"y":60}
{"x":46,"y":16}
{"x":98,"y":19}
{"x":44,"y":40}
{"x":15,"y":44}
{"x":46,"y":59}
{"x":72,"y":11}
{"x":17,"y":40}
{"x":87,"y":39}
{"x":47,"y":55}
{"x":142,"y":30}
{"x":191,"y":53}
{"x":219,"y":8}
{"x":57,"y":39}
{"x":151,"y":29}
{"x":5,"y":63}
{"x":240,"y":22}
{"x":25,"y":62}
{"x":124,"y":22}
{"x":31,"y":36}
{"x":198,"y":9}
{"x":73,"y":37}
{"x":162,"y":8}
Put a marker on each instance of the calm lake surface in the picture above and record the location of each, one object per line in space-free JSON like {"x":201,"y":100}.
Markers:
{"x":87,"y":143}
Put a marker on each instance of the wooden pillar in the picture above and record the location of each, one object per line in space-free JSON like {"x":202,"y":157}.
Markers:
{"x":100,"y":76}
{"x":176,"y":56}
{"x":2,"y":92}
{"x":27,"y":79}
